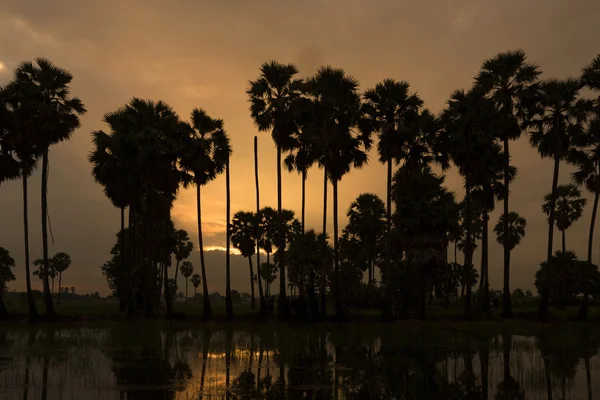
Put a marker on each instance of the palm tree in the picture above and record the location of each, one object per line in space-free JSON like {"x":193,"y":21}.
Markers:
{"x":387,"y":107}
{"x":516,"y":229}
{"x":228,"y":298}
{"x":9,"y":163}
{"x":268,"y":231}
{"x":559,"y":120}
{"x":205,"y":157}
{"x":587,"y":159}
{"x":339,"y":113}
{"x":56,"y":120}
{"x":7,"y":263}
{"x":591,"y":74}
{"x":243,"y":229}
{"x":196,"y":280}
{"x":257,"y":228}
{"x":510,"y":81}
{"x":367,"y":219}
{"x":108,"y":170}
{"x":183,"y":249}
{"x":187,"y":269}
{"x":272,"y":96}
{"x":468,"y":120}
{"x":568,"y":205}
{"x":21,"y":134}
{"x":61,"y":262}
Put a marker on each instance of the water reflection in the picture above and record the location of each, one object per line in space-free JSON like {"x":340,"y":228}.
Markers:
{"x":133,"y":362}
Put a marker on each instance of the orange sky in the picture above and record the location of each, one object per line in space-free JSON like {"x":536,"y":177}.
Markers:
{"x":193,"y":53}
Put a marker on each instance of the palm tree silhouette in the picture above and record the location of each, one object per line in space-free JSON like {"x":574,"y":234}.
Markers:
{"x":56,"y":120}
{"x":367,"y":219}
{"x":243,"y":229}
{"x":196,"y":280}
{"x":21,"y":134}
{"x":183,"y":249}
{"x":61,"y":262}
{"x":205,"y":157}
{"x":187,"y":269}
{"x":386,"y":107}
{"x":510,"y":81}
{"x":559,"y":119}
{"x":268,"y":231}
{"x":587,"y":159}
{"x":272,"y":96}
{"x":516,"y":229}
{"x":339,"y":113}
{"x":257,"y":229}
{"x":568,"y":205}
{"x":467,"y":122}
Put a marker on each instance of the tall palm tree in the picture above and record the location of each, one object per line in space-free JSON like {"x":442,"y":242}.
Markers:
{"x":386,"y":108}
{"x":243,"y":229}
{"x":257,"y":228}
{"x":587,"y":159}
{"x":516,"y":229}
{"x":20,"y":134}
{"x":183,"y":249}
{"x":568,"y":208}
{"x":510,"y":80}
{"x":339,"y":112}
{"x":228,"y":298}
{"x":272,"y":96}
{"x":367,"y":219}
{"x":560,"y":116}
{"x":591,"y":74}
{"x":108,"y":170}
{"x":467,"y":122}
{"x":187,"y":269}
{"x":61,"y":262}
{"x":56,"y":120}
{"x":196,"y":280}
{"x":205,"y":157}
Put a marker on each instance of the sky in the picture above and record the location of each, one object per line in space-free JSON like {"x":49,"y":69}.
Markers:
{"x":200,"y":53}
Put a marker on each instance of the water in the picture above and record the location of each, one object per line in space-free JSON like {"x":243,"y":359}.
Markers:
{"x":145,"y":361}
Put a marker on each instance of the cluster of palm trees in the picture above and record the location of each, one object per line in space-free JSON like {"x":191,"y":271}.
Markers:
{"x":36,"y":112}
{"x":149,"y":152}
{"x":324,"y":120}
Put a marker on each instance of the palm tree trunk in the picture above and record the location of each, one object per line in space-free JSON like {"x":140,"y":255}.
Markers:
{"x":387,"y":302}
{"x":583,"y":309}
{"x":260,"y":286}
{"x":52,"y":289}
{"x":122,"y":286}
{"x":228,"y":345}
{"x":336,"y":272}
{"x":485,"y":251}
{"x":303,"y":198}
{"x":161,"y":283}
{"x":506,"y":302}
{"x":544,"y":301}
{"x":228,"y":299}
{"x":176,"y":274}
{"x":283,"y":309}
{"x":253,"y":300}
{"x":33,"y":314}
{"x":205,"y":352}
{"x":564,"y":241}
{"x":468,"y":248}
{"x":59,"y":287}
{"x":323,"y":288}
{"x":484,"y":357}
{"x":168,"y":295}
{"x":129,"y":271}
{"x":207,"y":313}
{"x":260,"y":359}
{"x":49,"y":303}
{"x":186,"y":290}
{"x":548,"y":378}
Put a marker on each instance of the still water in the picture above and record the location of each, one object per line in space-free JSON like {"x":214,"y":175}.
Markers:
{"x":144,"y":361}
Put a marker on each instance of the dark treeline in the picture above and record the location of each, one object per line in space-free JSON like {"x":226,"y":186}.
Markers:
{"x":149,"y":152}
